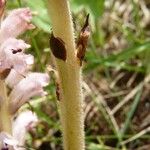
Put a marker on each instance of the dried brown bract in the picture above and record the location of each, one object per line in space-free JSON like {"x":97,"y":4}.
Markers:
{"x":4,"y":73}
{"x":83,"y":40}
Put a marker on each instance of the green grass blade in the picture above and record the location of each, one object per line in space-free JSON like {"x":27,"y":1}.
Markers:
{"x":131,"y":112}
{"x":124,"y":56}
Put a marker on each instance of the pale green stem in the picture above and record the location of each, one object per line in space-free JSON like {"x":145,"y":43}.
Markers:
{"x":5,"y":119}
{"x":69,"y":73}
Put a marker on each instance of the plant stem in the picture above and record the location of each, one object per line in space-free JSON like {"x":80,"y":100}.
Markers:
{"x":69,"y":73}
{"x":5,"y":119}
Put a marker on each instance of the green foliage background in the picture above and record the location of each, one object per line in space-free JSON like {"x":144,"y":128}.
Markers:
{"x":104,"y":60}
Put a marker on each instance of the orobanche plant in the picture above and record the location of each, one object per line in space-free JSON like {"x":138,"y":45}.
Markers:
{"x":15,"y":73}
{"x":68,"y":58}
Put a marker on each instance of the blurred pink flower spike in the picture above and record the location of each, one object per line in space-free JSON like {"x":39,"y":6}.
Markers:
{"x":15,"y":44}
{"x":2,"y":7}
{"x":13,"y":78}
{"x":7,"y":142}
{"x":32,"y":85}
{"x":23,"y":122}
{"x":26,"y":120}
{"x":12,"y":56}
{"x":16,"y":23}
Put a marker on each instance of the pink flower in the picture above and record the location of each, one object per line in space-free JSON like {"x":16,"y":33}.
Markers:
{"x":13,"y":78}
{"x":17,"y":22}
{"x":24,"y":121}
{"x":12,"y":56}
{"x":32,"y":85}
{"x":20,"y":127}
{"x":7,"y":142}
{"x":14,"y":45}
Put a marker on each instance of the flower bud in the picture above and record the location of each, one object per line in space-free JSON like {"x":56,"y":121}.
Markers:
{"x":32,"y":85}
{"x":21,"y":124}
{"x":12,"y":56}
{"x":16,"y":23}
{"x":7,"y":141}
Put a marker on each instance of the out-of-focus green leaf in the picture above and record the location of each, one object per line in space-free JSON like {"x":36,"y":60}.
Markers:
{"x":94,"y":146}
{"x":41,"y":20}
{"x":96,"y":7}
{"x":115,"y":60}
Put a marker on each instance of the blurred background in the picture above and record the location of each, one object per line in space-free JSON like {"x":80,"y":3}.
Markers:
{"x":116,"y":73}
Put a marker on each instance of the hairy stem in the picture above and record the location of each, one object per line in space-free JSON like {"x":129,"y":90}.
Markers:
{"x":5,"y":119}
{"x":69,"y":74}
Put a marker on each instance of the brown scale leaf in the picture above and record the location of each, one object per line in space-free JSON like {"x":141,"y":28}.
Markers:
{"x":57,"y":46}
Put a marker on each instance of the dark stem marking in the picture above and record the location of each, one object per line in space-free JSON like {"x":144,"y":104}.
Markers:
{"x":57,"y":91}
{"x":83,"y":40}
{"x":57,"y":46}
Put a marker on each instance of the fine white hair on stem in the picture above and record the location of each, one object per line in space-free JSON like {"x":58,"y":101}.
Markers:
{"x":69,"y":86}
